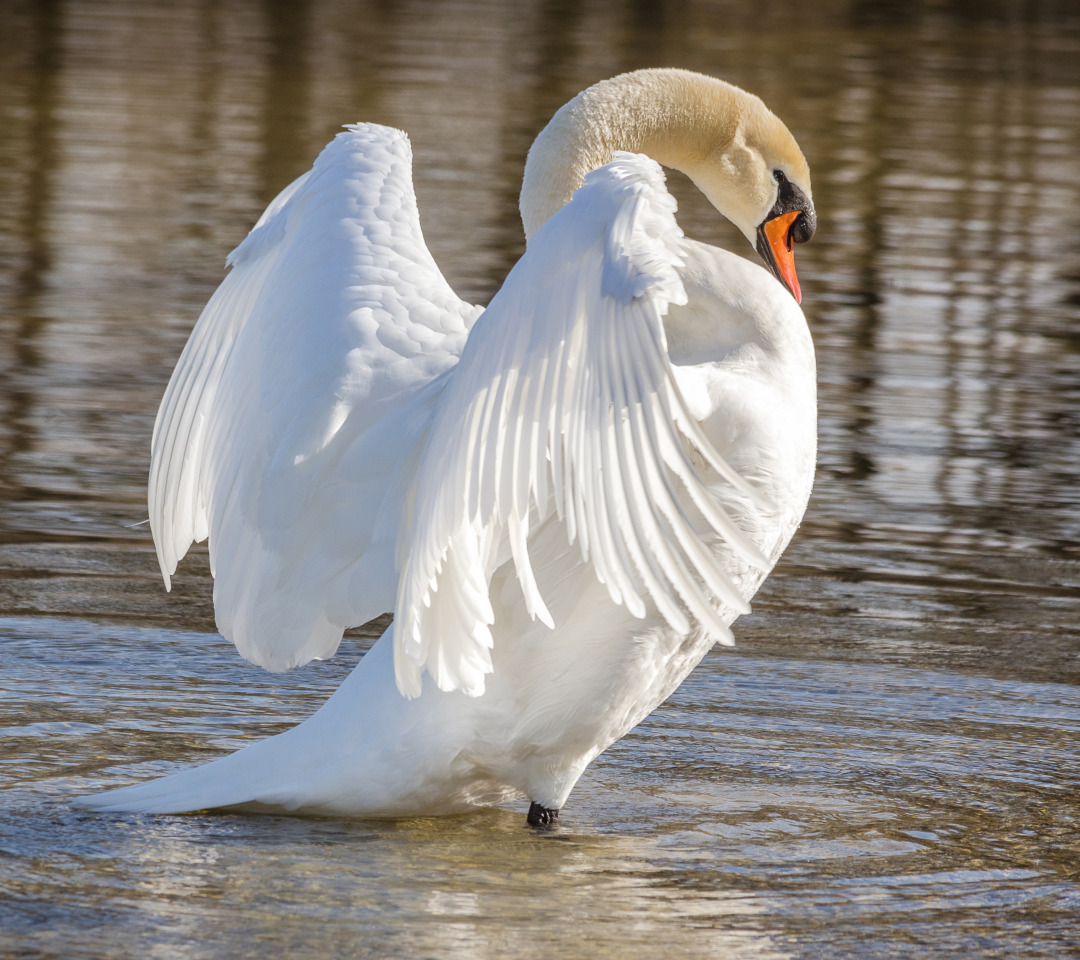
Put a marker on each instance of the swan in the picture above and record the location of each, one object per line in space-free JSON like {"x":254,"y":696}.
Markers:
{"x":565,"y":498}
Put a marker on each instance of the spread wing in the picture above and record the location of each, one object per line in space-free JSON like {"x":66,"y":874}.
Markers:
{"x":564,"y":401}
{"x":300,"y":400}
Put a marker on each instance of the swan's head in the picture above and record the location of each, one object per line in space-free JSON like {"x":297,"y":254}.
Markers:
{"x":736,"y":150}
{"x":755,"y":174}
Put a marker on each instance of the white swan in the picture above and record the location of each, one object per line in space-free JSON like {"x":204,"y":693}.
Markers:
{"x":565,"y":498}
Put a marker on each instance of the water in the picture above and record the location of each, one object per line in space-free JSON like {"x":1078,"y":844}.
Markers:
{"x":886,"y":765}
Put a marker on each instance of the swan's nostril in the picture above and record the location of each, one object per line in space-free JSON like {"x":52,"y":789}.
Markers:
{"x":803,"y":228}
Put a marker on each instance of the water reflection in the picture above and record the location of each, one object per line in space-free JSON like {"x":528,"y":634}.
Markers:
{"x":770,"y":805}
{"x":889,"y":758}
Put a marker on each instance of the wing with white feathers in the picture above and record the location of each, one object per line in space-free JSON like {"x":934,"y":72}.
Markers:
{"x":300,"y":400}
{"x":565,"y":401}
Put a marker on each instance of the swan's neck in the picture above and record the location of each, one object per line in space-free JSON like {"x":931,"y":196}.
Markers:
{"x":682,"y":120}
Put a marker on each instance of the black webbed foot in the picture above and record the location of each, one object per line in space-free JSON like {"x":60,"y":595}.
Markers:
{"x":541,"y":816}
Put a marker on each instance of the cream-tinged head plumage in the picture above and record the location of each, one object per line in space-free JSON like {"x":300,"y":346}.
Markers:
{"x":734,"y":148}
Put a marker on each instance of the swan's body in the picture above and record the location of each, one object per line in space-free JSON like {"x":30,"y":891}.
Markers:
{"x":566,"y":499}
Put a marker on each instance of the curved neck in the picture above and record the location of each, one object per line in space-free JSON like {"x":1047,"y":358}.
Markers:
{"x":678,"y":118}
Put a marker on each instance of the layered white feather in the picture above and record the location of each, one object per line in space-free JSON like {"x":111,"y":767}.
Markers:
{"x":564,"y":401}
{"x":300,"y":400}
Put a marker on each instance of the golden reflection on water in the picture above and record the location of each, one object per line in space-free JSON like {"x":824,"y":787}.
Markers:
{"x":772,"y":804}
{"x":887,"y":764}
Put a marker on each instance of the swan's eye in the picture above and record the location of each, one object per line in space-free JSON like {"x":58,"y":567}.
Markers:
{"x":778,"y":176}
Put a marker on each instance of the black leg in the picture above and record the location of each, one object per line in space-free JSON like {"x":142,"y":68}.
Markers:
{"x":541,"y":816}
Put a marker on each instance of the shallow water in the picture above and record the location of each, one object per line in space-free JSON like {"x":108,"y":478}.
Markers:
{"x":886,"y":765}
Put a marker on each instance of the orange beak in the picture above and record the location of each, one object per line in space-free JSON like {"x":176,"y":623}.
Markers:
{"x":781,"y":253}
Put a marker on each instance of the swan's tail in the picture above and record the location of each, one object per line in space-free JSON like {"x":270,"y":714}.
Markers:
{"x":321,"y":765}
{"x":367,"y":752}
{"x":257,"y":776}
